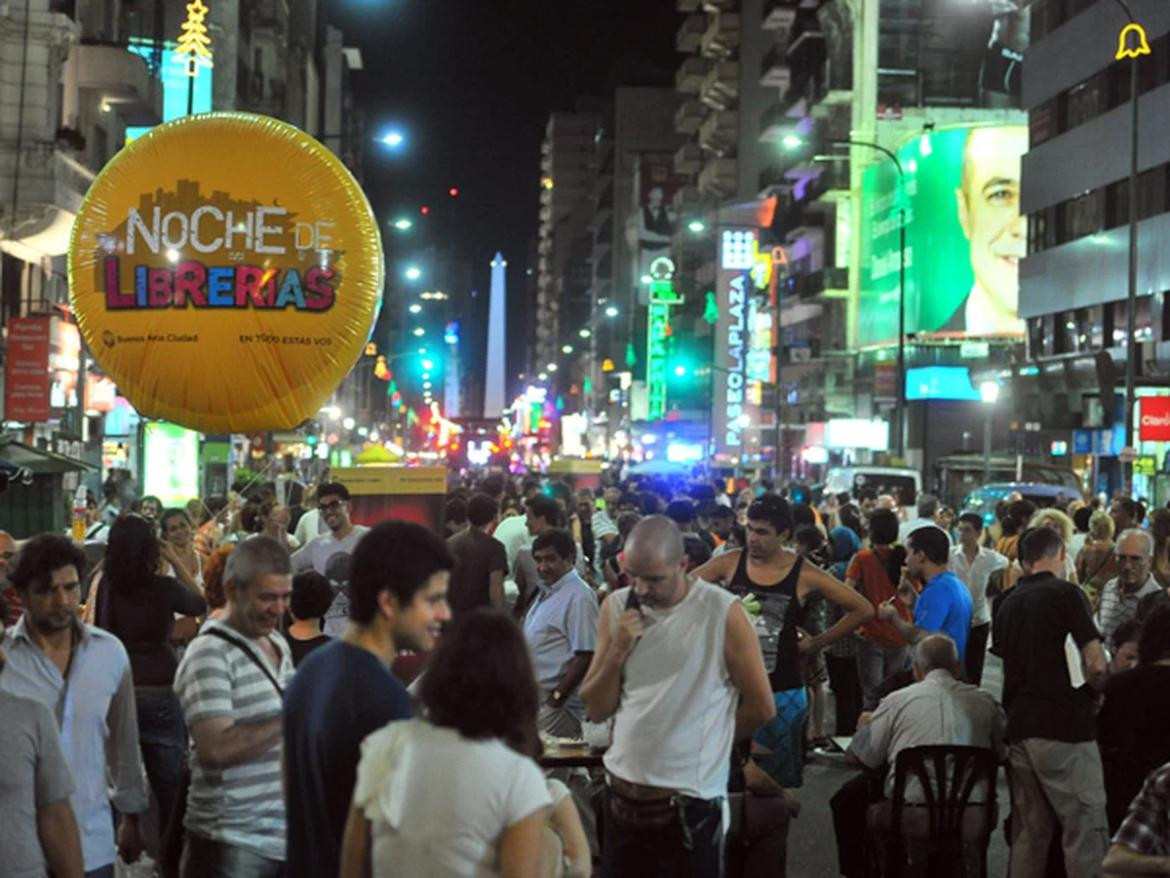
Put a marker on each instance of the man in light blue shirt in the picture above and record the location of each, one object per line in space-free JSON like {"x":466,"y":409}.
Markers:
{"x":82,"y":675}
{"x":944,"y":604}
{"x":561,"y":629}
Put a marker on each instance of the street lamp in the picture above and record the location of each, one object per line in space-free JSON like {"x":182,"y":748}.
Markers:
{"x":697,"y":226}
{"x":403,"y":224}
{"x":611,"y":311}
{"x":413,"y":272}
{"x":394,"y":139}
{"x":1133,"y":53}
{"x":415,"y":308}
{"x":900,"y":391}
{"x":989,"y":393}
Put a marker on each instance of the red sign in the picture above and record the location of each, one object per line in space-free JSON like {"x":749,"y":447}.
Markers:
{"x":26,"y":381}
{"x":1154,"y":423}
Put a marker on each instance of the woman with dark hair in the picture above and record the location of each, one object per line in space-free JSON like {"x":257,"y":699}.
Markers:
{"x":875,"y":573}
{"x":312,"y":595}
{"x":1131,"y":728}
{"x":850,"y":516}
{"x":138,"y":605}
{"x":178,"y":550}
{"x":457,"y":793}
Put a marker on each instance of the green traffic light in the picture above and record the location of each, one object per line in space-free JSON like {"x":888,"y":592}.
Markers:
{"x":311,"y":440}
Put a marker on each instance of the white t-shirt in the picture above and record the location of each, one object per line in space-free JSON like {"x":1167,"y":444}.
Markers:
{"x":438,"y":803}
{"x":513,"y":533}
{"x":317,"y":552}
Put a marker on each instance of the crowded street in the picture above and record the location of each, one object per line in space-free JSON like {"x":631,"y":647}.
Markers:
{"x":619,"y":438}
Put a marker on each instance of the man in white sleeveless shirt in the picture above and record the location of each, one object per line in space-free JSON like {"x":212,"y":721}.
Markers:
{"x":678,"y":666}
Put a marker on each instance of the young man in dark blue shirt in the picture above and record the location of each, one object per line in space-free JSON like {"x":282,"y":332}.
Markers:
{"x":344,"y":691}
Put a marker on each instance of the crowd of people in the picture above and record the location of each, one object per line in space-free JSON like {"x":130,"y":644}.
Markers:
{"x":243,"y":688}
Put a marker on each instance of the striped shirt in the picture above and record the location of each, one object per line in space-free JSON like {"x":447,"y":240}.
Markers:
{"x":241,"y":806}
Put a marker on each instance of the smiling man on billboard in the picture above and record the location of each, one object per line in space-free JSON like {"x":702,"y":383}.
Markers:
{"x":988,"y":201}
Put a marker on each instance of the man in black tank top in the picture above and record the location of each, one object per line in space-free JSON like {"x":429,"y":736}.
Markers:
{"x":775,"y":584}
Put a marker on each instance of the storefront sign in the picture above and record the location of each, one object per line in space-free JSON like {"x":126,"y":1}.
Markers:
{"x":733,"y":409}
{"x":1154,"y":423}
{"x":26,"y":380}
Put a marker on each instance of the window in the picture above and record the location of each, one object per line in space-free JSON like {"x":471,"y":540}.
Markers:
{"x":1085,"y":101}
{"x":1083,"y":215}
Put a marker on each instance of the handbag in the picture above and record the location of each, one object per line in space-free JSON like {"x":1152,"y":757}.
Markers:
{"x":175,"y":832}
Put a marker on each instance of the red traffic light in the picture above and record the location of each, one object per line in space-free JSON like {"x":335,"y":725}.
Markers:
{"x":453,"y":192}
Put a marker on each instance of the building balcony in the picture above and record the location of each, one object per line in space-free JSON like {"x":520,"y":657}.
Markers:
{"x":721,"y":38}
{"x":690,"y":33}
{"x":52,"y":187}
{"x":688,"y":79}
{"x":774,"y":71}
{"x":719,"y":131}
{"x":688,"y":158}
{"x":688,"y":117}
{"x":775,"y":123}
{"x":721,"y":85}
{"x":779,"y":15}
{"x":806,"y":49}
{"x":718,"y":177}
{"x":121,"y":79}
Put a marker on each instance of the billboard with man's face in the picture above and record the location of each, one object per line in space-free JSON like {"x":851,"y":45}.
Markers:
{"x":965,"y":236}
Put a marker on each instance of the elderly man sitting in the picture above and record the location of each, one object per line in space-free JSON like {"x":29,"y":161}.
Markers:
{"x":939,"y":709}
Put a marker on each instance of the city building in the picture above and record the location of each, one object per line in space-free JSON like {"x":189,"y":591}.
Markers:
{"x":1074,"y":280}
{"x":81,"y":79}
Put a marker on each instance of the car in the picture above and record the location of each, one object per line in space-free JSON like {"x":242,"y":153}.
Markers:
{"x":983,"y":500}
{"x":903,"y":483}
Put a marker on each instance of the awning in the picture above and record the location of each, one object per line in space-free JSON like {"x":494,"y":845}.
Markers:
{"x":38,"y":461}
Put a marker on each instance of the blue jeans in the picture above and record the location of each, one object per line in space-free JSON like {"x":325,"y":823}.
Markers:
{"x":204,"y":858}
{"x":162,"y":737}
{"x":875,"y":664}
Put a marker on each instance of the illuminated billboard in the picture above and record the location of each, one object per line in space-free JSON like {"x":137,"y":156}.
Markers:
{"x":965,"y":236}
{"x":170,"y":467}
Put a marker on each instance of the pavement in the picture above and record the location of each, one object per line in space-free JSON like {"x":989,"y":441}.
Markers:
{"x":812,"y":849}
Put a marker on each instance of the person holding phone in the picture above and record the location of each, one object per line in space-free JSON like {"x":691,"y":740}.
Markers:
{"x":678,"y":666}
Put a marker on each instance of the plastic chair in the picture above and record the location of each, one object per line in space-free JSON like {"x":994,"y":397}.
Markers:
{"x":939,"y":833}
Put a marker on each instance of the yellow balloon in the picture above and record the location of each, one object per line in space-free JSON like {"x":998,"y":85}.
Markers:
{"x":226,"y":271}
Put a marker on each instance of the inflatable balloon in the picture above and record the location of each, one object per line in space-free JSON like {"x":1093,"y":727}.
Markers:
{"x":226,"y":271}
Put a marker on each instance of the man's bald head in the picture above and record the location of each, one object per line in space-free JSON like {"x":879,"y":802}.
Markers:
{"x":936,"y":652}
{"x":655,"y":539}
{"x":655,"y":562}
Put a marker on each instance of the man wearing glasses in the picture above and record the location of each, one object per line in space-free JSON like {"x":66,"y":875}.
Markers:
{"x":321,"y":553}
{"x":1134,"y":581}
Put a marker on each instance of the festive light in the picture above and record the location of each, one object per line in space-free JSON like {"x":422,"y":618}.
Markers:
{"x":194,"y":49}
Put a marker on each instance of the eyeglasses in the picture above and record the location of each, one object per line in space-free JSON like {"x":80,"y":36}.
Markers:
{"x":329,"y":507}
{"x":1131,"y":559}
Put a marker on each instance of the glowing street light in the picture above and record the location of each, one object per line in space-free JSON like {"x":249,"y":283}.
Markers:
{"x":552,"y":367}
{"x":403,"y":224}
{"x":585,"y":333}
{"x":413,"y":272}
{"x":543,"y":376}
{"x":697,"y":226}
{"x":611,"y":311}
{"x":419,"y":332}
{"x":415,"y":308}
{"x":566,"y":349}
{"x":792,"y":142}
{"x":394,"y":139}
{"x":428,"y":364}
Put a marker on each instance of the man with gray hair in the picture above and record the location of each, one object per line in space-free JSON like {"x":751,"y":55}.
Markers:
{"x":927,"y":507}
{"x":1135,"y":580}
{"x":939,"y":709}
{"x":231,"y":686}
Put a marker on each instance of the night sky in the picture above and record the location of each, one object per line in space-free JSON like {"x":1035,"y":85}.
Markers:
{"x":472,"y":83}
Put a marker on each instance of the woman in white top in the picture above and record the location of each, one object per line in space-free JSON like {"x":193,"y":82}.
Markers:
{"x":457,"y":794}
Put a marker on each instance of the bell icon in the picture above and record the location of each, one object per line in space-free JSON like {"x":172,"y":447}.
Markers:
{"x":1132,"y":42}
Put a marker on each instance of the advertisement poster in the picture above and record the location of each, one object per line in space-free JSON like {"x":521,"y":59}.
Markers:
{"x":26,"y":381}
{"x":965,"y":236}
{"x":170,"y":467}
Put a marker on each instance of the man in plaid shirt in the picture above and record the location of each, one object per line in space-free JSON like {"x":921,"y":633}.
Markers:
{"x":1142,"y":844}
